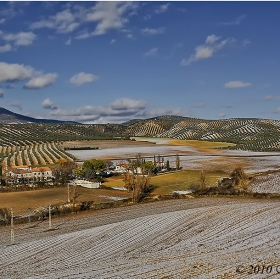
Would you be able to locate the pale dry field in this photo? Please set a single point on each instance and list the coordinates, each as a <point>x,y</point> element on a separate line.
<point>198,238</point>
<point>194,155</point>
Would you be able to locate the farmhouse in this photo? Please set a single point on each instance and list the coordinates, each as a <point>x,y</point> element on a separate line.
<point>120,168</point>
<point>29,174</point>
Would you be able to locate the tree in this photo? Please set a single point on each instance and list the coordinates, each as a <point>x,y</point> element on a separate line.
<point>167,165</point>
<point>98,164</point>
<point>79,171</point>
<point>90,167</point>
<point>63,170</point>
<point>147,167</point>
<point>177,162</point>
<point>202,180</point>
<point>74,195</point>
<point>239,177</point>
<point>138,160</point>
<point>139,185</point>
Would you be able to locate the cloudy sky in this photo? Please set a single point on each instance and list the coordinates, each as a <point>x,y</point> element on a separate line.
<point>101,62</point>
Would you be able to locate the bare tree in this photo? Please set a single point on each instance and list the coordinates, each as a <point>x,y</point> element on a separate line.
<point>177,162</point>
<point>139,185</point>
<point>74,196</point>
<point>239,177</point>
<point>202,180</point>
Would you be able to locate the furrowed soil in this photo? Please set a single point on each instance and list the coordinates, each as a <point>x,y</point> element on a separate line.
<point>186,238</point>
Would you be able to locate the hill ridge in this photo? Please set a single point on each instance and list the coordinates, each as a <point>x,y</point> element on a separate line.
<point>9,117</point>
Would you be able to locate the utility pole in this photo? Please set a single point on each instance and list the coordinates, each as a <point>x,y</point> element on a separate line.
<point>50,218</point>
<point>12,228</point>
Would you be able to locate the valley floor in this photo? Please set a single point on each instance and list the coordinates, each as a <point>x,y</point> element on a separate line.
<point>189,238</point>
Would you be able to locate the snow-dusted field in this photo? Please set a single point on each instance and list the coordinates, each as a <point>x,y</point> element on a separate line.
<point>126,152</point>
<point>199,238</point>
<point>190,158</point>
<point>266,183</point>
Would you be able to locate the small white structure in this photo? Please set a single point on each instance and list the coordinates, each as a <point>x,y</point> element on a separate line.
<point>120,168</point>
<point>86,184</point>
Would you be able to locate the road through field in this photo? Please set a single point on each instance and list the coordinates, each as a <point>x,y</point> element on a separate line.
<point>190,238</point>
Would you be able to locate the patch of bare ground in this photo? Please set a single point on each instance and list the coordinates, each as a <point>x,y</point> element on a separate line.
<point>224,163</point>
<point>21,201</point>
<point>107,144</point>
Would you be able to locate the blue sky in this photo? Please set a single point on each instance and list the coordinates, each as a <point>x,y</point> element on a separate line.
<point>108,62</point>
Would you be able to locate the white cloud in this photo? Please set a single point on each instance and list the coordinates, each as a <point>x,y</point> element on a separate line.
<point>1,93</point>
<point>268,97</point>
<point>62,22</point>
<point>147,17</point>
<point>68,42</point>
<point>234,22</point>
<point>130,36</point>
<point>152,31</point>
<point>199,105</point>
<point>222,115</point>
<point>41,81</point>
<point>14,8</point>
<point>127,103</point>
<point>83,36</point>
<point>110,15</point>
<point>16,105</point>
<point>151,52</point>
<point>271,97</point>
<point>155,112</point>
<point>113,41</point>
<point>105,16</point>
<point>5,48</point>
<point>237,84</point>
<point>212,45</point>
<point>246,42</point>
<point>2,20</point>
<point>83,78</point>
<point>47,104</point>
<point>211,39</point>
<point>14,72</point>
<point>162,8</point>
<point>120,110</point>
<point>21,38</point>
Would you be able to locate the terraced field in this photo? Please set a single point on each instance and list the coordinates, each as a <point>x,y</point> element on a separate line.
<point>32,155</point>
<point>198,238</point>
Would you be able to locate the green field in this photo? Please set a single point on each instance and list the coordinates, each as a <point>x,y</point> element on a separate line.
<point>191,143</point>
<point>182,180</point>
<point>178,181</point>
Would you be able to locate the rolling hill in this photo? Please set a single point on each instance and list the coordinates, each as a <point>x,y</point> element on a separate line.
<point>19,135</point>
<point>248,134</point>
<point>8,117</point>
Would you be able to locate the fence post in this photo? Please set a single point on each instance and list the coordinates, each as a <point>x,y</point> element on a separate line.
<point>12,228</point>
<point>50,217</point>
<point>68,192</point>
<point>29,217</point>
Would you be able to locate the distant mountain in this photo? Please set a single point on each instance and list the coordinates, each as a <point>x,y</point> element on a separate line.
<point>8,117</point>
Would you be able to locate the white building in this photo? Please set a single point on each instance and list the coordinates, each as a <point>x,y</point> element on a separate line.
<point>30,174</point>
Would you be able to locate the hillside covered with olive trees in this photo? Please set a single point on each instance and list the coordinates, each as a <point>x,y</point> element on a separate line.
<point>38,143</point>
